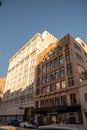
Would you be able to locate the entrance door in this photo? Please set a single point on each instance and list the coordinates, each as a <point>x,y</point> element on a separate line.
<point>53,118</point>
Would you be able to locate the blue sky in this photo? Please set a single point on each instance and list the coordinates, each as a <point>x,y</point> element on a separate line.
<point>20,20</point>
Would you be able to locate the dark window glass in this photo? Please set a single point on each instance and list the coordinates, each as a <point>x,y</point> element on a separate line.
<point>57,101</point>
<point>67,56</point>
<point>43,79</point>
<point>69,69</point>
<point>48,78</point>
<point>51,65</point>
<point>73,99</point>
<point>37,91</point>
<point>55,52</point>
<point>52,87</point>
<point>37,104</point>
<point>85,54</point>
<point>63,100</point>
<point>62,72</point>
<point>56,74</point>
<point>41,103</point>
<point>71,82</point>
<point>52,76</point>
<point>43,68</point>
<point>51,102</point>
<point>77,47</point>
<point>79,57</point>
<point>56,62</point>
<point>38,81</point>
<point>47,103</point>
<point>59,49</point>
<point>61,60</point>
<point>38,71</point>
<point>48,67</point>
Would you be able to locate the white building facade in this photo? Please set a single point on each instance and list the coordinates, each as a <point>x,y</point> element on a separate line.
<point>20,83</point>
<point>83,99</point>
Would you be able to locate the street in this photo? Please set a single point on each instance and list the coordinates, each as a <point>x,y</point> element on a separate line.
<point>80,127</point>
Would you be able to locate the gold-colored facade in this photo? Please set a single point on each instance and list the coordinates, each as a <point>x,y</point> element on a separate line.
<point>59,70</point>
<point>2,86</point>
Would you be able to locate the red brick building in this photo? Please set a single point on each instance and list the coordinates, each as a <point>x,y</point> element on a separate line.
<point>60,69</point>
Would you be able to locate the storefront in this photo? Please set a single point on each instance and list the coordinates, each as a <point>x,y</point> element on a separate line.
<point>60,114</point>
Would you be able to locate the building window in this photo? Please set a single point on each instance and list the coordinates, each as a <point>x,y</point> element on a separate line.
<point>38,81</point>
<point>67,56</point>
<point>86,97</point>
<point>55,52</point>
<point>52,87</point>
<point>51,65</point>
<point>59,49</point>
<point>57,101</point>
<point>46,89</point>
<point>71,82</point>
<point>61,60</point>
<point>48,78</point>
<point>37,91</point>
<point>56,74</point>
<point>81,69</point>
<point>62,72</point>
<point>77,47</point>
<point>38,71</point>
<point>69,69</point>
<point>43,79</point>
<point>63,100</point>
<point>37,104</point>
<point>56,62</point>
<point>47,103</point>
<point>48,67</point>
<point>43,68</point>
<point>79,57</point>
<point>41,104</point>
<point>63,84</point>
<point>85,54</point>
<point>73,99</point>
<point>51,102</point>
<point>57,86</point>
<point>52,76</point>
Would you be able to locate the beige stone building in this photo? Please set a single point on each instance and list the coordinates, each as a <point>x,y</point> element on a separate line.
<point>83,99</point>
<point>20,83</point>
<point>2,85</point>
<point>60,69</point>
